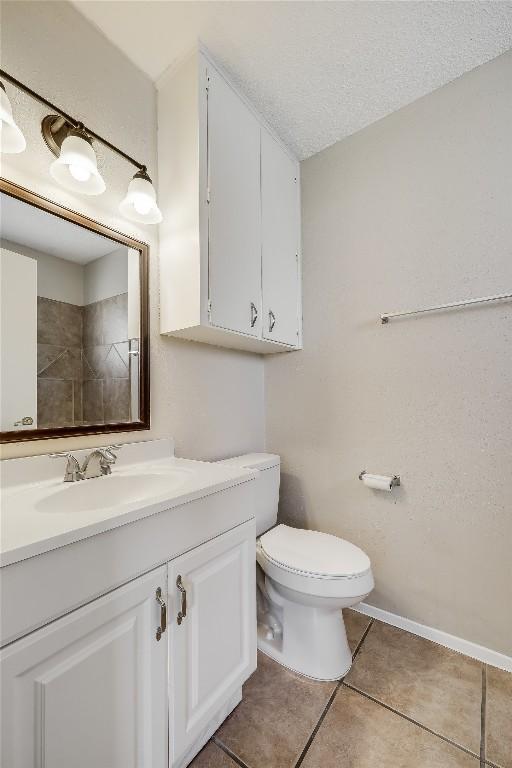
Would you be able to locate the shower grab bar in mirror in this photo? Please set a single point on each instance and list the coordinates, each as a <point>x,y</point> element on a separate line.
<point>454,304</point>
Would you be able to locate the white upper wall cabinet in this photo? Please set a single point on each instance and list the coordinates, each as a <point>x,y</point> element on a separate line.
<point>234,210</point>
<point>230,239</point>
<point>279,242</point>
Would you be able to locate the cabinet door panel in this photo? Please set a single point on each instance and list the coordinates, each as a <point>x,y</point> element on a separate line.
<point>213,650</point>
<point>91,688</point>
<point>18,309</point>
<point>280,238</point>
<point>234,210</point>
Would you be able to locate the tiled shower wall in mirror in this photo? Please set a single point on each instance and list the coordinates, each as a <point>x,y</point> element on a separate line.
<point>83,362</point>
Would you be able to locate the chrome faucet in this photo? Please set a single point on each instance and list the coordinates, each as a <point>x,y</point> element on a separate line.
<point>98,463</point>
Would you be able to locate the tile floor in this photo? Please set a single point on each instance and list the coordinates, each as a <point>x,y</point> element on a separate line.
<point>406,703</point>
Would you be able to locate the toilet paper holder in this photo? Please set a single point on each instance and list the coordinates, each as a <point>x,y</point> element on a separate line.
<point>394,482</point>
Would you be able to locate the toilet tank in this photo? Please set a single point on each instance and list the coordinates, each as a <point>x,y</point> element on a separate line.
<point>267,485</point>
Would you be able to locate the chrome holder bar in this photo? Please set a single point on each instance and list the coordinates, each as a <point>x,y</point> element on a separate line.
<point>395,480</point>
<point>453,305</point>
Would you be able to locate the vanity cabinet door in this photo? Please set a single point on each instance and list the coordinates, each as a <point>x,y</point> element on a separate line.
<point>90,689</point>
<point>213,648</point>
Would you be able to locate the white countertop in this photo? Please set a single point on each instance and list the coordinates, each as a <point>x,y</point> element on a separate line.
<point>47,513</point>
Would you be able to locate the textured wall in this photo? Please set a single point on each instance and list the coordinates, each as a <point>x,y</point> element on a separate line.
<point>210,400</point>
<point>412,211</point>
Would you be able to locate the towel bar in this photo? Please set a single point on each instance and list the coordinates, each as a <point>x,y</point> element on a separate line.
<point>499,297</point>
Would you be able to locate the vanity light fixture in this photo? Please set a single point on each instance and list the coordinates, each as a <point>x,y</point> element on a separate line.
<point>140,202</point>
<point>76,165</point>
<point>12,139</point>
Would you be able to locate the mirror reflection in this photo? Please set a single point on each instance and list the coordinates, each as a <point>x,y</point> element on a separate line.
<point>70,322</point>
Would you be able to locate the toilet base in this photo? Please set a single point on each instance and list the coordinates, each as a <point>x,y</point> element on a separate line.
<point>266,649</point>
<point>307,639</point>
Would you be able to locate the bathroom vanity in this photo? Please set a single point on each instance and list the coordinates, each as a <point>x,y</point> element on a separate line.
<point>128,608</point>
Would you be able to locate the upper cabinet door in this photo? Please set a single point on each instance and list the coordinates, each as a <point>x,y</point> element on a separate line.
<point>280,242</point>
<point>234,210</point>
<point>90,689</point>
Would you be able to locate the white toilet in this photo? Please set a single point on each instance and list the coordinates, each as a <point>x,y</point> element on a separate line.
<point>304,580</point>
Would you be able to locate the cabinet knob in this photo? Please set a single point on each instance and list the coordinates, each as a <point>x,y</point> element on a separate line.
<point>26,421</point>
<point>254,315</point>
<point>163,614</point>
<point>183,612</point>
<point>271,320</point>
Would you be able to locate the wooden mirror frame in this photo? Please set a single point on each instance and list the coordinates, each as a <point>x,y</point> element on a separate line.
<point>14,436</point>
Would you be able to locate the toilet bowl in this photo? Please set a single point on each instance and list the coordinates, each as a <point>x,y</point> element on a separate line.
<point>308,578</point>
<point>304,580</point>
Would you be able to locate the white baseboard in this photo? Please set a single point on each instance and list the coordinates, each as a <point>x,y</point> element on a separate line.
<point>493,658</point>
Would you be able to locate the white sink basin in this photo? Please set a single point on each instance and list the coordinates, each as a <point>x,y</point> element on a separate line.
<point>109,491</point>
<point>39,512</point>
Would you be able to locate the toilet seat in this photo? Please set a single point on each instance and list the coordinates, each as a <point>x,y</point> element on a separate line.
<point>314,563</point>
<point>314,554</point>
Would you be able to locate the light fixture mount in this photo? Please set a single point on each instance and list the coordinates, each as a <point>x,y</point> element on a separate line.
<point>143,174</point>
<point>55,128</point>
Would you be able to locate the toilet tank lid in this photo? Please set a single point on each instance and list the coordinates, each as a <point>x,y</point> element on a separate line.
<point>254,461</point>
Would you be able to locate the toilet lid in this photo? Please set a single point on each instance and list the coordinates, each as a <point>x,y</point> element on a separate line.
<point>319,554</point>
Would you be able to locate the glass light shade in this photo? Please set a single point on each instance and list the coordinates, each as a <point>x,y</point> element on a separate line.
<point>12,139</point>
<point>76,167</point>
<point>140,202</point>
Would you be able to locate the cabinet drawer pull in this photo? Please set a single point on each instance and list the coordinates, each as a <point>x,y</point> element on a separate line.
<point>254,315</point>
<point>163,614</point>
<point>182,614</point>
<point>271,320</point>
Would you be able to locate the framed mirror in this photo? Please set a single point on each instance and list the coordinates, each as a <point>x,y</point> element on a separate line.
<point>74,326</point>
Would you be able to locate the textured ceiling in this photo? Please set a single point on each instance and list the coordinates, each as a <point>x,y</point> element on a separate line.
<point>318,71</point>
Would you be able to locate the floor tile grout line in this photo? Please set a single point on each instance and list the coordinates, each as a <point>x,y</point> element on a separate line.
<point>483,708</point>
<point>411,720</point>
<point>361,641</point>
<point>229,752</point>
<point>318,724</point>
<point>329,702</point>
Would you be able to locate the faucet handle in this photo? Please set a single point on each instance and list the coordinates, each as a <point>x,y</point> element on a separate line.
<point>111,451</point>
<point>73,471</point>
